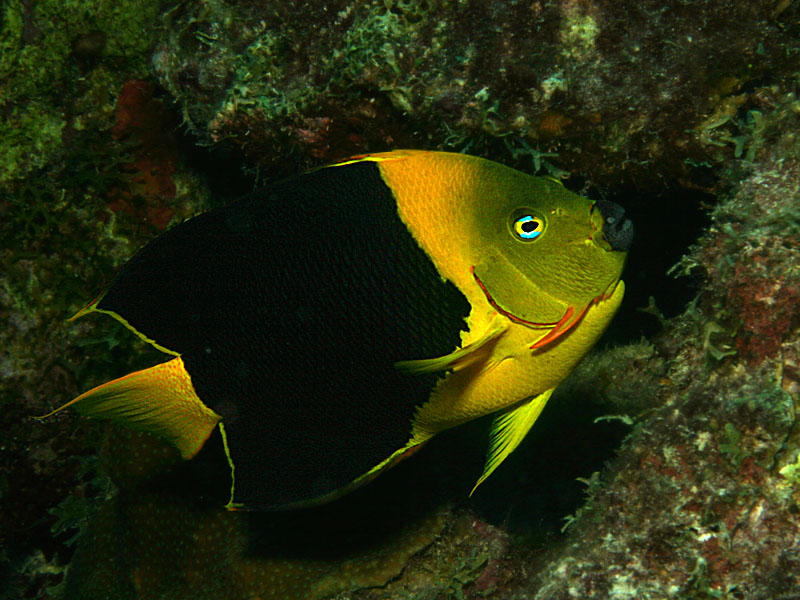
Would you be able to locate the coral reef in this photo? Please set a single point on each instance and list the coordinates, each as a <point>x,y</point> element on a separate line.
<point>146,543</point>
<point>618,91</point>
<point>700,498</point>
<point>65,167</point>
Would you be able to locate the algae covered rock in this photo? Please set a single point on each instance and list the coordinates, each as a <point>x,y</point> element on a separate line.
<point>702,498</point>
<point>616,90</point>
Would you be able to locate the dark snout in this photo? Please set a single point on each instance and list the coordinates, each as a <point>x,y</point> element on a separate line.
<point>617,229</point>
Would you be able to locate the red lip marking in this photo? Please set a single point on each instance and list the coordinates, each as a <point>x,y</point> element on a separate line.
<point>559,328</point>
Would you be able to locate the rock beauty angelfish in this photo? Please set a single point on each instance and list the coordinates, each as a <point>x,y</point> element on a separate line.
<point>331,324</point>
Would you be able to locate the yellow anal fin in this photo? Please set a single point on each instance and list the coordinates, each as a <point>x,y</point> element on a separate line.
<point>508,430</point>
<point>459,358</point>
<point>403,453</point>
<point>374,157</point>
<point>160,400</point>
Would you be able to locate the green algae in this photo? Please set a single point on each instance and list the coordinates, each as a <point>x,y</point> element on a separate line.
<point>62,66</point>
<point>616,90</point>
<point>41,79</point>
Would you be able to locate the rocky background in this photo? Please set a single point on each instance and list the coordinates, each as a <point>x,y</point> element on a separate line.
<point>667,467</point>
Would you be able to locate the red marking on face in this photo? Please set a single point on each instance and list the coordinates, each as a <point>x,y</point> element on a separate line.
<point>504,312</point>
<point>559,328</point>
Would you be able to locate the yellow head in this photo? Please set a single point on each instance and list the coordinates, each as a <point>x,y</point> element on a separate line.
<point>548,254</point>
<point>539,253</point>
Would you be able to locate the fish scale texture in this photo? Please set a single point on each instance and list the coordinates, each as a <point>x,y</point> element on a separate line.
<point>290,309</point>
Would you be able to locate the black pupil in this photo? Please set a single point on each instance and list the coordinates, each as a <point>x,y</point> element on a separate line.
<point>529,226</point>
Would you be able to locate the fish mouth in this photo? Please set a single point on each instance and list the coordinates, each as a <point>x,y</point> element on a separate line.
<point>557,328</point>
<point>616,231</point>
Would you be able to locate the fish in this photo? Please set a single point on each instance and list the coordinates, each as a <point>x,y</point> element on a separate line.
<point>331,324</point>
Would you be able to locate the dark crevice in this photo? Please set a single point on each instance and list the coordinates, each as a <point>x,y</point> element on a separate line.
<point>667,222</point>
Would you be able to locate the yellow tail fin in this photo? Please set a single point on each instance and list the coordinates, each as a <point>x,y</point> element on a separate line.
<point>160,400</point>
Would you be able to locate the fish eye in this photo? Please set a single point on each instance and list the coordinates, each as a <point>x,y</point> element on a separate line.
<point>527,227</point>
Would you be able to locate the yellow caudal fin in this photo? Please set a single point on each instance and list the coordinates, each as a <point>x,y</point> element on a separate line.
<point>459,358</point>
<point>508,430</point>
<point>160,400</point>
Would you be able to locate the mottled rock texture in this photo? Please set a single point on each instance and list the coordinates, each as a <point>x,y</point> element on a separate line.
<point>619,91</point>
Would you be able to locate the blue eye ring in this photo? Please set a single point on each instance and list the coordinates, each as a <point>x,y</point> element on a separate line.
<point>527,227</point>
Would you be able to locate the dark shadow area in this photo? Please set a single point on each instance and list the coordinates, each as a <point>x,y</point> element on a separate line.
<point>166,536</point>
<point>537,487</point>
<point>666,222</point>
<point>219,167</point>
<point>350,525</point>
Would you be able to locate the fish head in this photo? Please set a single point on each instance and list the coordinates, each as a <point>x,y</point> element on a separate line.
<point>547,254</point>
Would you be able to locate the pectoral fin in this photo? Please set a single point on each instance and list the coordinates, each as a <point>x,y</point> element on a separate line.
<point>459,358</point>
<point>508,430</point>
<point>160,400</point>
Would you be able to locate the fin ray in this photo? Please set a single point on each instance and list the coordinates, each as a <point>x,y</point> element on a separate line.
<point>84,311</point>
<point>406,451</point>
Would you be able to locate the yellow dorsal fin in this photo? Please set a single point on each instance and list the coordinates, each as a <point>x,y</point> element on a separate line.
<point>508,430</point>
<point>375,157</point>
<point>160,400</point>
<point>459,358</point>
